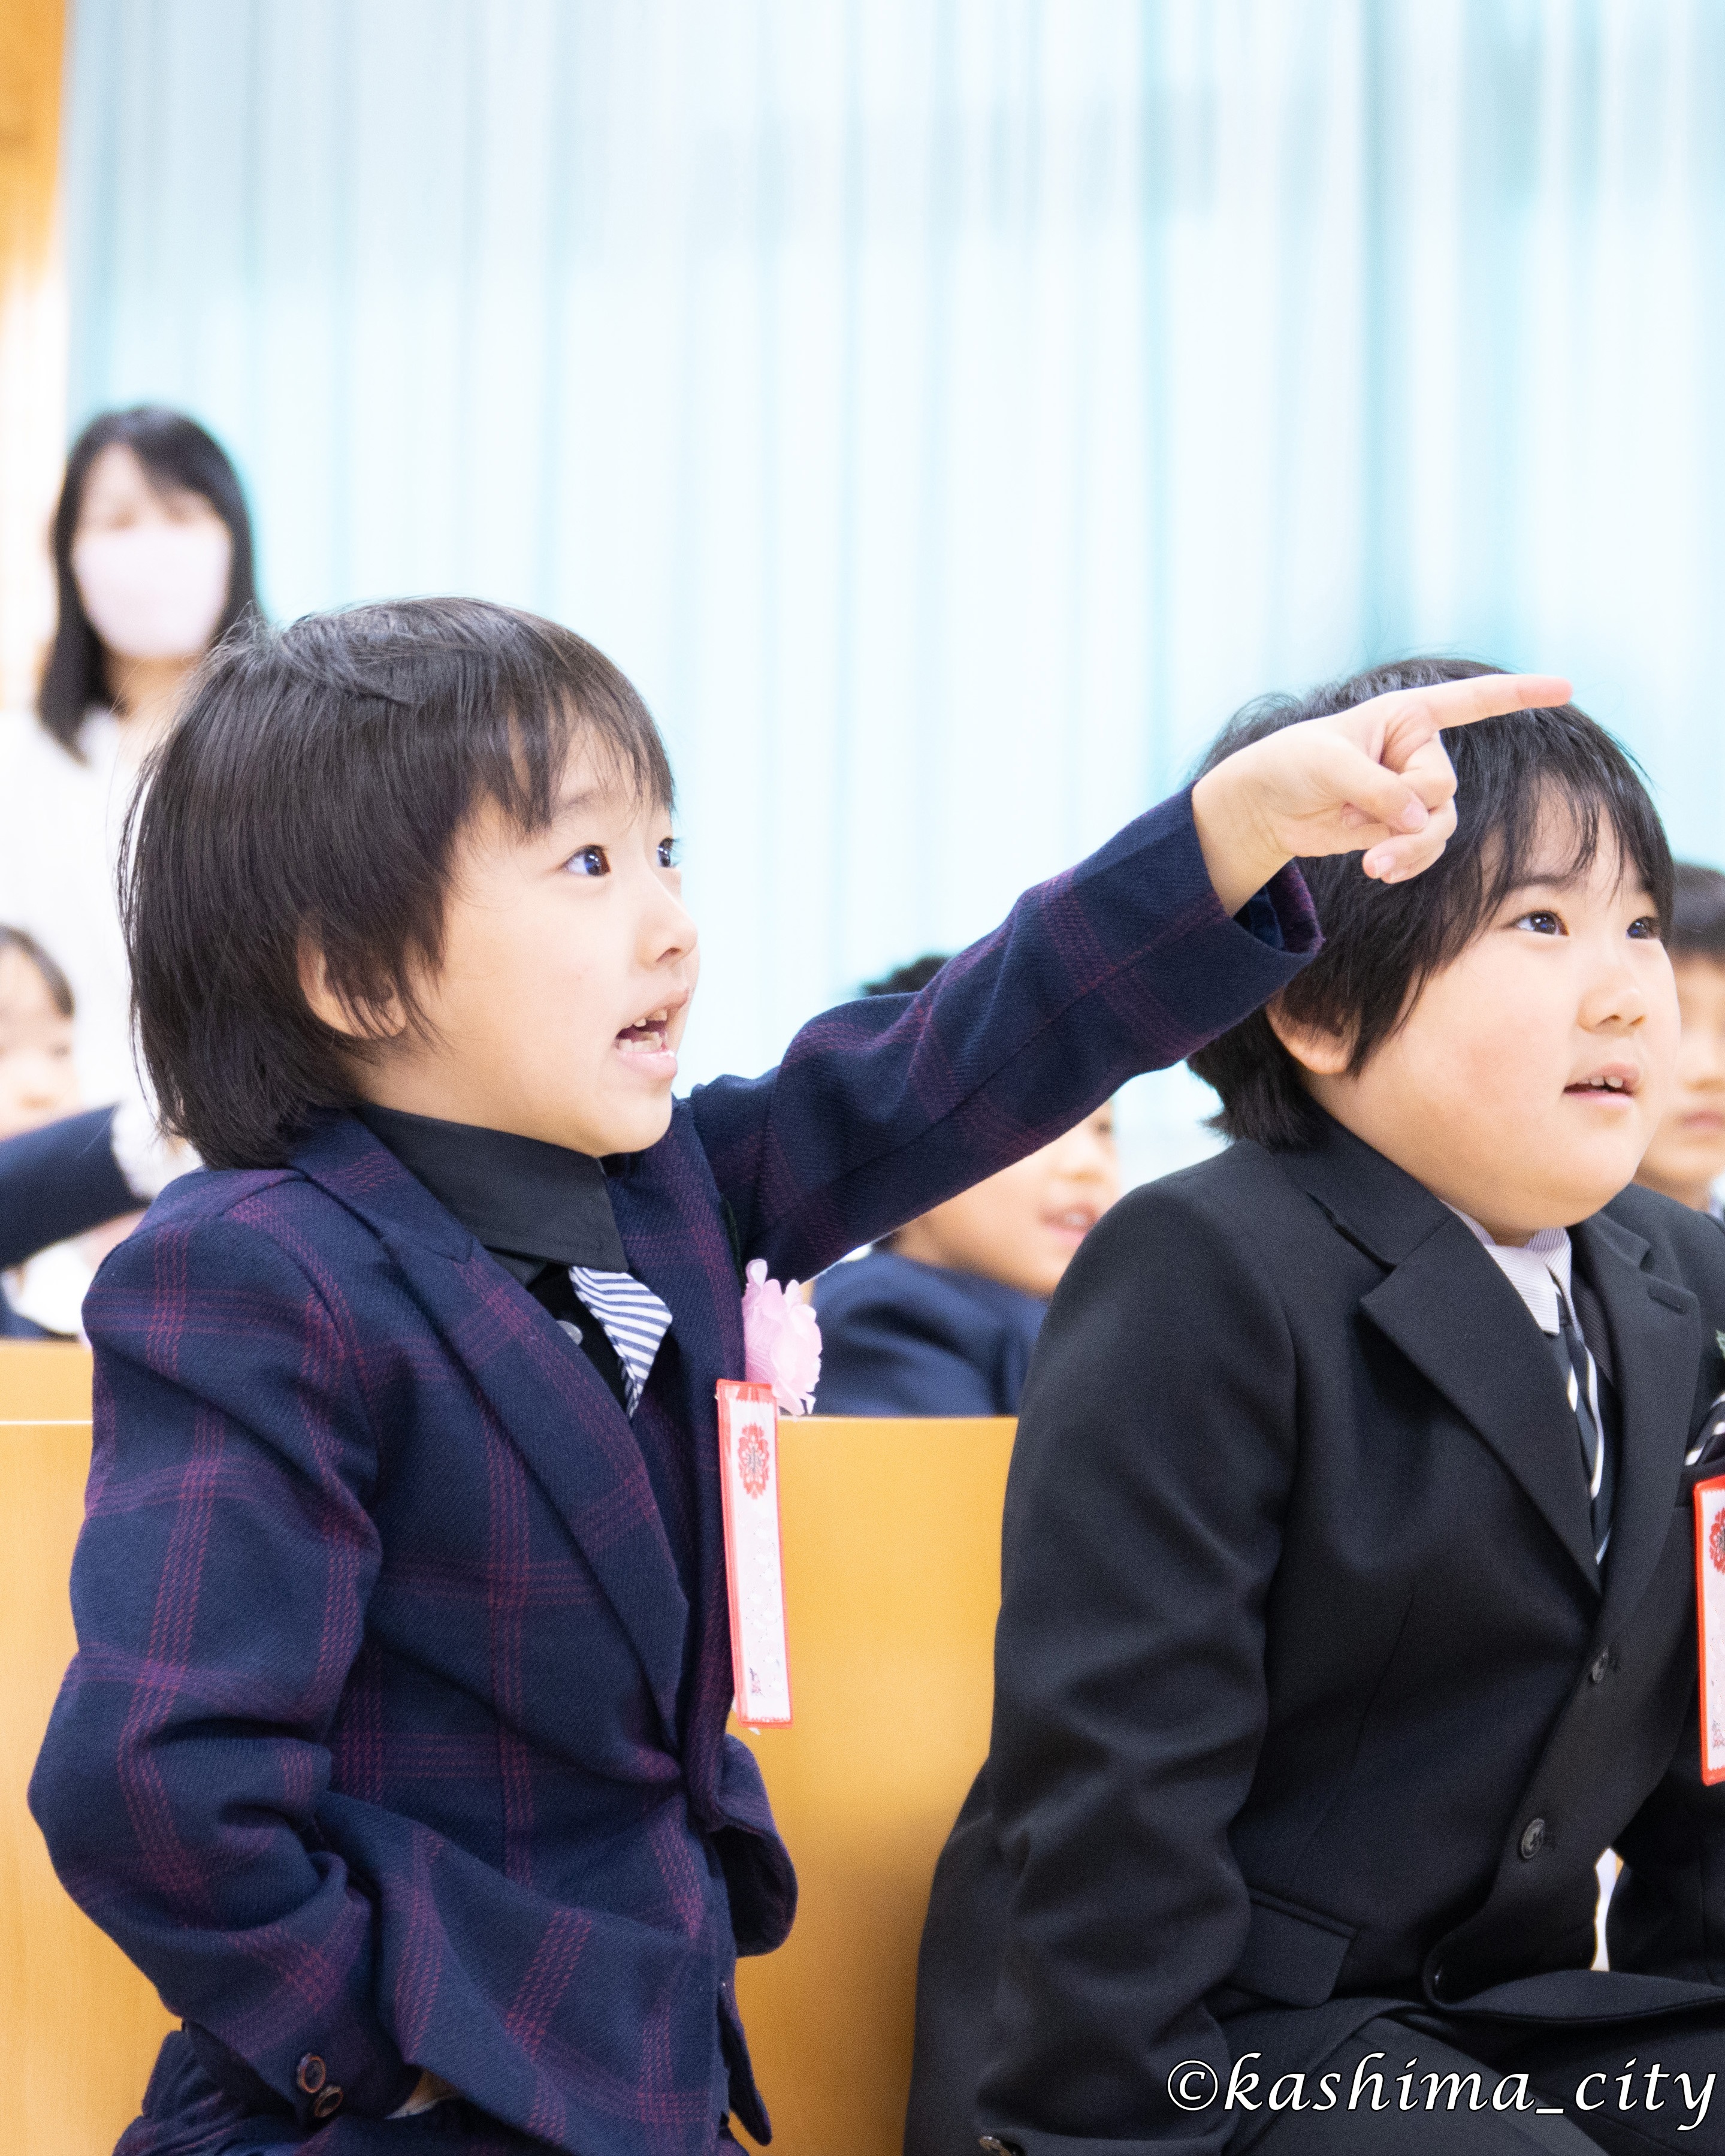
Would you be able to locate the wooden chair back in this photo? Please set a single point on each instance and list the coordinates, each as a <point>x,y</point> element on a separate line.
<point>80,2027</point>
<point>892,1585</point>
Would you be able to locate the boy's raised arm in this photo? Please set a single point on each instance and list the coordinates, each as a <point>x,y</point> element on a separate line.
<point>884,1107</point>
<point>1178,927</point>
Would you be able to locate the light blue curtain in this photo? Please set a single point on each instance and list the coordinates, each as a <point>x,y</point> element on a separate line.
<point>946,410</point>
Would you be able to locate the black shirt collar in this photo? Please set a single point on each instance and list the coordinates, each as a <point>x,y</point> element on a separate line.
<point>526,1201</point>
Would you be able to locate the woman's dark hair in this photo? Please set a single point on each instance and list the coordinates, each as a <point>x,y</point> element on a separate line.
<point>1382,943</point>
<point>313,792</point>
<point>1698,914</point>
<point>59,988</point>
<point>176,452</point>
<point>905,980</point>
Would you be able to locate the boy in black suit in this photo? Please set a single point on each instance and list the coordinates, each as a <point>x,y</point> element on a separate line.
<point>1349,1566</point>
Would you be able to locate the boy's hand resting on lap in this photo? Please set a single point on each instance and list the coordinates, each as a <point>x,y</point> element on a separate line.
<point>1375,779</point>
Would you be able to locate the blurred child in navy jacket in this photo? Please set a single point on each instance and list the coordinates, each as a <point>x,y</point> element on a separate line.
<point>941,1318</point>
<point>394,1751</point>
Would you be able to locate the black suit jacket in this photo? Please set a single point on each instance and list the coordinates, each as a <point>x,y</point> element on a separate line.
<point>1309,1700</point>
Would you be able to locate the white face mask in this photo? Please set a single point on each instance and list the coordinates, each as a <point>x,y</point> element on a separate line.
<point>155,591</point>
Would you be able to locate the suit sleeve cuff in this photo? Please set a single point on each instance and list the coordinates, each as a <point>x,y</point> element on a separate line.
<point>1280,916</point>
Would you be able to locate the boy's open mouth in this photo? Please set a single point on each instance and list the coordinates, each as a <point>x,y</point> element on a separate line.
<point>1618,1080</point>
<point>647,1036</point>
<point>650,1034</point>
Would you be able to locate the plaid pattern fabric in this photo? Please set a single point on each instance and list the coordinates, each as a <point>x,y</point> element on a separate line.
<point>394,1734</point>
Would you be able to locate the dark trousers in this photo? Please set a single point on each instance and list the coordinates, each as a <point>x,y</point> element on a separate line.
<point>1450,2090</point>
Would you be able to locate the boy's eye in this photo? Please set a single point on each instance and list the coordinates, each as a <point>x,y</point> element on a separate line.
<point>589,861</point>
<point>1646,929</point>
<point>670,853</point>
<point>1544,923</point>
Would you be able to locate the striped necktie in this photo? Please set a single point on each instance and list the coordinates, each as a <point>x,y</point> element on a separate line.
<point>1538,1270</point>
<point>1581,1381</point>
<point>635,1319</point>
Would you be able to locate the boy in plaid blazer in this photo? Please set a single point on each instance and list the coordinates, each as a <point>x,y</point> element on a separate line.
<point>394,1750</point>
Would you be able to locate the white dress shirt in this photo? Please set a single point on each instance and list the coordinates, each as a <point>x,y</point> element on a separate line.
<point>1538,1270</point>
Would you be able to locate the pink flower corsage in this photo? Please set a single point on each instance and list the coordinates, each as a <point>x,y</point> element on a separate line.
<point>781,1338</point>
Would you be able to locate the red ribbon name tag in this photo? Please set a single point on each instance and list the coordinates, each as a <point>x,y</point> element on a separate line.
<point>748,1480</point>
<point>1710,1622</point>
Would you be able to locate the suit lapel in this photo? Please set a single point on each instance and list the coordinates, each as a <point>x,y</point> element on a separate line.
<point>1655,1346</point>
<point>1450,1311</point>
<point>668,1211</point>
<point>1498,1374</point>
<point>547,1399</point>
<point>1447,1307</point>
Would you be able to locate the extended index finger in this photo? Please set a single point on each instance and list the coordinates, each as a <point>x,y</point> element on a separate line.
<point>1490,695</point>
<point>1414,717</point>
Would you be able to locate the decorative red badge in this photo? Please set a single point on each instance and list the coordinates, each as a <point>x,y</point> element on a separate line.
<point>748,1481</point>
<point>1710,1622</point>
<point>754,1462</point>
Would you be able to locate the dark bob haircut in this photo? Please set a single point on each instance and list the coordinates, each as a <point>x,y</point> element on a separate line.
<point>1698,914</point>
<point>1383,942</point>
<point>313,792</point>
<point>175,452</point>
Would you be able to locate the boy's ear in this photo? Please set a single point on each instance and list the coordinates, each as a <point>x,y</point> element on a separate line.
<point>328,1003</point>
<point>1316,1048</point>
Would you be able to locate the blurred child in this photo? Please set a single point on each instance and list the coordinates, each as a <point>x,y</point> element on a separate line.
<point>1687,1155</point>
<point>394,1752</point>
<point>940,1319</point>
<point>39,1084</point>
<point>70,1183</point>
<point>39,1078</point>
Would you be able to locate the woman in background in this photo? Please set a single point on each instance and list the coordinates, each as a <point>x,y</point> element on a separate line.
<point>940,1319</point>
<point>152,555</point>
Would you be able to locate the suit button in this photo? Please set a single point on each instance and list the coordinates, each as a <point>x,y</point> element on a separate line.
<point>328,2104</point>
<point>987,2142</point>
<point>1532,1838</point>
<point>311,2073</point>
<point>1597,1673</point>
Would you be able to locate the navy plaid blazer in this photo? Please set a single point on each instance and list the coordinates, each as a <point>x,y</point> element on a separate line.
<point>396,1735</point>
